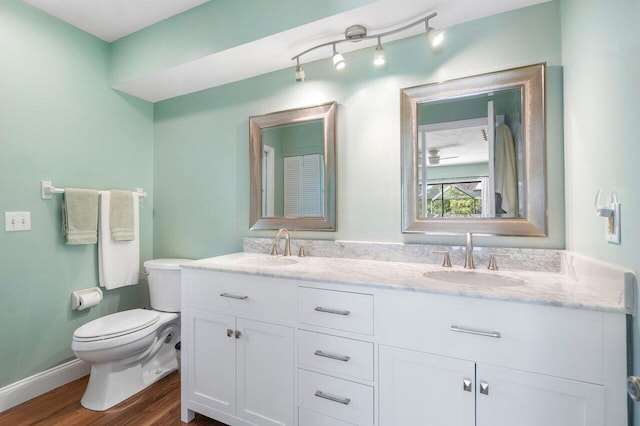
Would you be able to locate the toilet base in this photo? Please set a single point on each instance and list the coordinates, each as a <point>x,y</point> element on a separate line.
<point>112,382</point>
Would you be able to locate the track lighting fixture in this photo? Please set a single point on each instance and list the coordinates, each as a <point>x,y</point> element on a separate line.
<point>359,32</point>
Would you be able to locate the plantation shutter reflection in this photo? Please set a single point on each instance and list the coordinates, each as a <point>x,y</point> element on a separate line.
<point>304,186</point>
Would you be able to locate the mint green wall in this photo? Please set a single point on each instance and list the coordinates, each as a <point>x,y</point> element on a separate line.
<point>600,45</point>
<point>59,121</point>
<point>210,28</point>
<point>505,102</point>
<point>201,163</point>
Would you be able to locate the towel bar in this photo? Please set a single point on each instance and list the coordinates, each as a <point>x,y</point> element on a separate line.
<point>47,190</point>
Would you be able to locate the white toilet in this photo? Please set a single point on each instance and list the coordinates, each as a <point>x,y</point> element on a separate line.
<point>130,350</point>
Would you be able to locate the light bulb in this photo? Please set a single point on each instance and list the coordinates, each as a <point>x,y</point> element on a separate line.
<point>338,60</point>
<point>435,37</point>
<point>379,57</point>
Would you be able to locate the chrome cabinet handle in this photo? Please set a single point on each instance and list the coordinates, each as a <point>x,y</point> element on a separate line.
<point>332,311</point>
<point>484,388</point>
<point>466,385</point>
<point>494,334</point>
<point>333,398</point>
<point>234,296</point>
<point>238,334</point>
<point>332,356</point>
<point>229,332</point>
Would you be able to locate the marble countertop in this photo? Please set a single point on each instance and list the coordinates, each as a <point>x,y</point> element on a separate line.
<point>607,292</point>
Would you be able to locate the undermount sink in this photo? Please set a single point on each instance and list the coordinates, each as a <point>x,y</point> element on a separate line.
<point>474,279</point>
<point>266,261</point>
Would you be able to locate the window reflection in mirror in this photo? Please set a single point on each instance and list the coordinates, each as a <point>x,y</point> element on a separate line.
<point>471,156</point>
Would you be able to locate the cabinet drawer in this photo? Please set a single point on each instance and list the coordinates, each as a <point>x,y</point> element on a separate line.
<point>311,418</point>
<point>238,294</point>
<point>550,340</point>
<point>345,357</point>
<point>339,310</point>
<point>344,400</point>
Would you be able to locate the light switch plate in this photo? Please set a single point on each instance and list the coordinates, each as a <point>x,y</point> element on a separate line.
<point>17,221</point>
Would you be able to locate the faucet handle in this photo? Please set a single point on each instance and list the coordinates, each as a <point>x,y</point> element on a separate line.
<point>493,264</point>
<point>446,261</point>
<point>274,249</point>
<point>301,251</point>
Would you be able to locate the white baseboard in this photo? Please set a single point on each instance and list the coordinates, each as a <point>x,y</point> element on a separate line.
<point>26,389</point>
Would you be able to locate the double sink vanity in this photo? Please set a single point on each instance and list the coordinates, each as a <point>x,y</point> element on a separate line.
<point>374,334</point>
<point>275,340</point>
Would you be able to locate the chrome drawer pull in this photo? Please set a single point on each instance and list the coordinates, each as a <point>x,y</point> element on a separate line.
<point>333,398</point>
<point>234,296</point>
<point>494,334</point>
<point>332,356</point>
<point>484,388</point>
<point>332,311</point>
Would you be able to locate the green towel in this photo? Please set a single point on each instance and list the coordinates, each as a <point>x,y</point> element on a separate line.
<point>121,216</point>
<point>80,216</point>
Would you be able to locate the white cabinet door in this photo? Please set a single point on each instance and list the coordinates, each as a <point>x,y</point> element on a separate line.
<point>266,368</point>
<point>417,388</point>
<point>520,398</point>
<point>211,372</point>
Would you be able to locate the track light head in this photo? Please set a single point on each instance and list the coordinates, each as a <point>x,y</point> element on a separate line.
<point>379,57</point>
<point>338,59</point>
<point>435,37</point>
<point>300,76</point>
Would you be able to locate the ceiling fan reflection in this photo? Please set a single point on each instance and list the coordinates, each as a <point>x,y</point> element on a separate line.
<point>434,157</point>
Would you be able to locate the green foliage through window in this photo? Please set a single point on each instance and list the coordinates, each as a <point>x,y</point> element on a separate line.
<point>453,199</point>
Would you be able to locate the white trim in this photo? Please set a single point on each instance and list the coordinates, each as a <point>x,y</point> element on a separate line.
<point>43,382</point>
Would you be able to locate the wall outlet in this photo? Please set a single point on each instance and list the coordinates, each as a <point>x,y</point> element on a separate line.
<point>612,225</point>
<point>17,221</point>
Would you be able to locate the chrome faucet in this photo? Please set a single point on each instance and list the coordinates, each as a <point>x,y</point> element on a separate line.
<point>287,243</point>
<point>468,256</point>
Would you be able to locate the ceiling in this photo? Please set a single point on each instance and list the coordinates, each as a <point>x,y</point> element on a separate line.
<point>113,19</point>
<point>457,146</point>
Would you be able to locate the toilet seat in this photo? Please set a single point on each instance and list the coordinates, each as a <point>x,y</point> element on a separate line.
<point>116,325</point>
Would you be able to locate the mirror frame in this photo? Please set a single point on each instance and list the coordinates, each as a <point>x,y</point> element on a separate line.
<point>532,81</point>
<point>326,112</point>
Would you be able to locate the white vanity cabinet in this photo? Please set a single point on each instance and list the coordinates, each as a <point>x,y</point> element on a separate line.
<point>422,388</point>
<point>260,350</point>
<point>460,361</point>
<point>238,349</point>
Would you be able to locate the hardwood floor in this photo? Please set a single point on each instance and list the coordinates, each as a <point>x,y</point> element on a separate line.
<point>159,404</point>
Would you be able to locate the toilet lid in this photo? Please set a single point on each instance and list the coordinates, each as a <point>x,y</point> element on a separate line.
<point>117,324</point>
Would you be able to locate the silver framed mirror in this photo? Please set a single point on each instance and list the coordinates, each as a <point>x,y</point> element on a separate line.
<point>474,155</point>
<point>293,170</point>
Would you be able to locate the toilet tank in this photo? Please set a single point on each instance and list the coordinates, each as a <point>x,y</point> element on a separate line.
<point>164,283</point>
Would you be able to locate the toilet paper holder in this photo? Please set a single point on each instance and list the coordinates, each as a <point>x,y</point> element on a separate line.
<point>83,299</point>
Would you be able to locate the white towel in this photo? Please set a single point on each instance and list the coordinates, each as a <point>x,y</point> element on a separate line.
<point>506,179</point>
<point>118,261</point>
